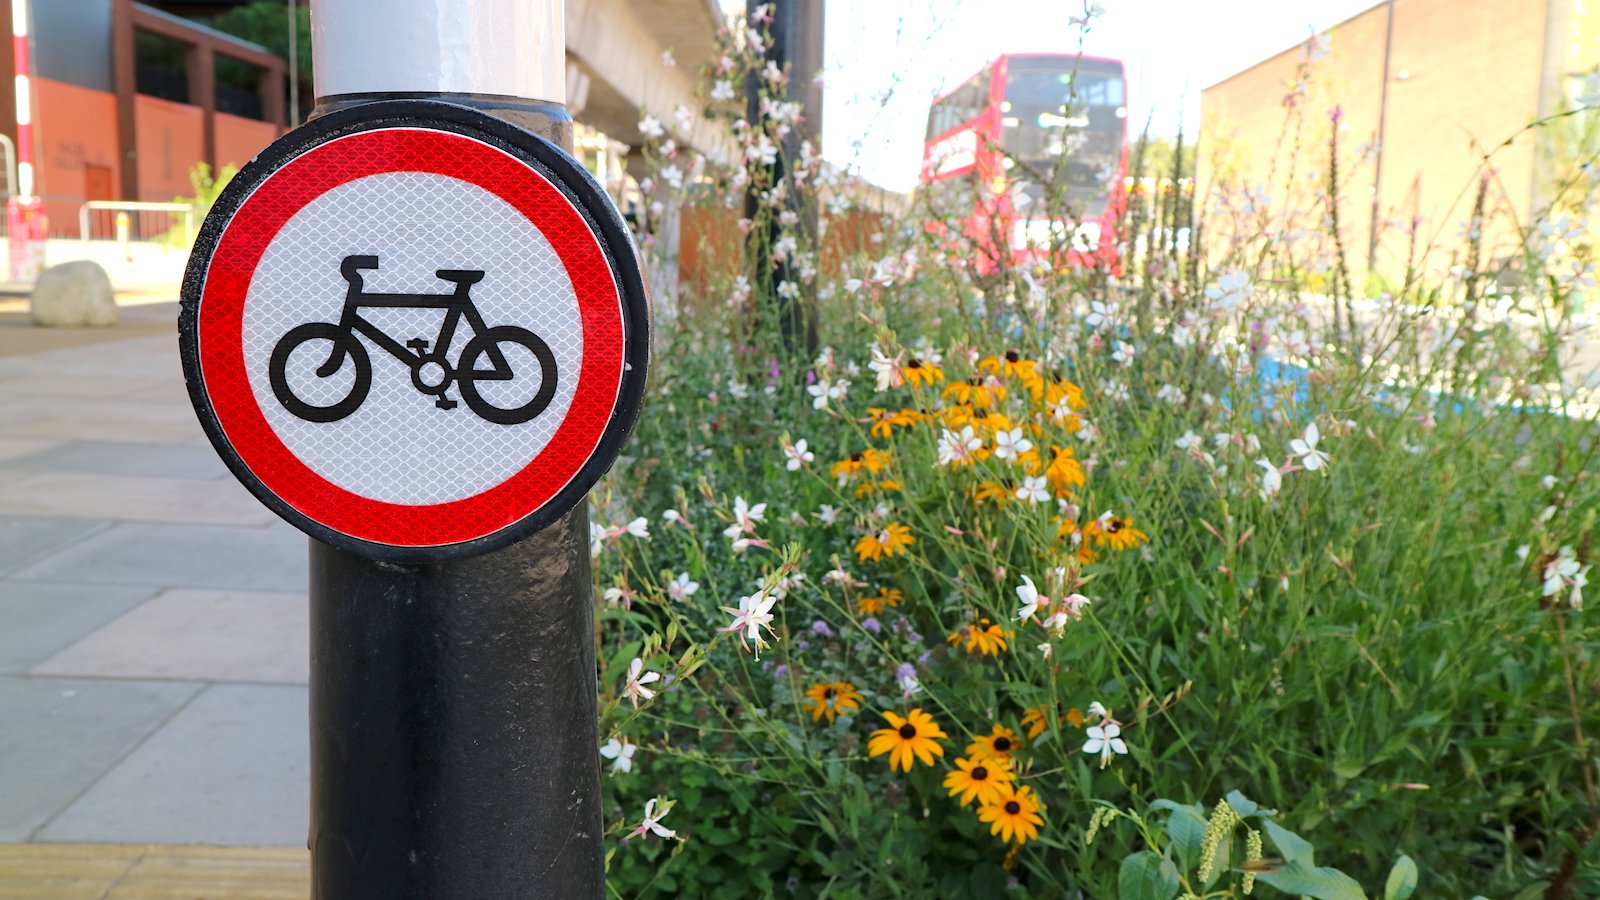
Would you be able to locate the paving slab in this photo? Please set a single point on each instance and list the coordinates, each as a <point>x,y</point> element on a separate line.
<point>11,448</point>
<point>123,458</point>
<point>153,872</point>
<point>40,620</point>
<point>216,557</point>
<point>61,735</point>
<point>130,498</point>
<point>232,768</point>
<point>198,635</point>
<point>24,539</point>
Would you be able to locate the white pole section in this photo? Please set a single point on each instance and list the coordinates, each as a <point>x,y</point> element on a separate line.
<point>514,48</point>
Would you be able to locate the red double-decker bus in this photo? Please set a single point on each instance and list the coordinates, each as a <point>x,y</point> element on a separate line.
<point>1028,158</point>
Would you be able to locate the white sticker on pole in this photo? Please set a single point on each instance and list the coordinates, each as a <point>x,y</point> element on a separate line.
<point>415,331</point>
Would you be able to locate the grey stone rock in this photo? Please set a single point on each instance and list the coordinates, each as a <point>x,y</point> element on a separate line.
<point>74,295</point>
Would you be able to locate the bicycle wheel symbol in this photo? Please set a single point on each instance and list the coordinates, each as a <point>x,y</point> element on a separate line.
<point>335,374</point>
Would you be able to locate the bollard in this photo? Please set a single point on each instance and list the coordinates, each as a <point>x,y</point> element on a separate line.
<point>453,702</point>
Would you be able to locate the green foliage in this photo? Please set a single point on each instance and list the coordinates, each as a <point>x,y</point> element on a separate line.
<point>207,188</point>
<point>266,23</point>
<point>1380,647</point>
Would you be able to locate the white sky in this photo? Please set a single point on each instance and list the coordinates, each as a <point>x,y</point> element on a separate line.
<point>911,50</point>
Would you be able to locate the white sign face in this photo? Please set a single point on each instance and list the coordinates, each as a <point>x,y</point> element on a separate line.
<point>416,340</point>
<point>421,222</point>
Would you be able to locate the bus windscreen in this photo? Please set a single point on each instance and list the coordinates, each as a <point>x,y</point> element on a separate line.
<point>1062,129</point>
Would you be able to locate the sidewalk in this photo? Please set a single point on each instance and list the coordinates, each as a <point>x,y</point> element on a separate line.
<point>153,626</point>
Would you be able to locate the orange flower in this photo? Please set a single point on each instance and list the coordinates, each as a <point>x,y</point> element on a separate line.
<point>1000,742</point>
<point>1014,815</point>
<point>918,372</point>
<point>831,698</point>
<point>979,778</point>
<point>894,538</point>
<point>916,735</point>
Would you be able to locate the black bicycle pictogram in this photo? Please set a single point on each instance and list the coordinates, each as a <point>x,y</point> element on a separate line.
<point>431,371</point>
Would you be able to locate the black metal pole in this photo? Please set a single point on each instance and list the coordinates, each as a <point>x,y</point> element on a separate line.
<point>453,705</point>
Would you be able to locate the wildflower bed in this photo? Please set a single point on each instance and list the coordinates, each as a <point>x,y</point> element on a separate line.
<point>1041,584</point>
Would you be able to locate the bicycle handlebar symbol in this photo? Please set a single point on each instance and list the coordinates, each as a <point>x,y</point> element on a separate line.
<point>431,371</point>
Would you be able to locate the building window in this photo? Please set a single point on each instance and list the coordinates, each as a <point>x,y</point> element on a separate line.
<point>159,67</point>
<point>239,88</point>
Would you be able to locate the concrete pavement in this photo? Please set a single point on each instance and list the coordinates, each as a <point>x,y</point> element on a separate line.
<point>153,639</point>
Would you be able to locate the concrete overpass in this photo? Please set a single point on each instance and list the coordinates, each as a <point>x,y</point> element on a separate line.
<point>615,71</point>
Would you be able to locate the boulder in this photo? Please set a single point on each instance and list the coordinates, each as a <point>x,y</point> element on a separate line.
<point>74,294</point>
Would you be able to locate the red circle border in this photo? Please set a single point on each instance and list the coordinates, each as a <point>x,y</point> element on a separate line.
<point>287,190</point>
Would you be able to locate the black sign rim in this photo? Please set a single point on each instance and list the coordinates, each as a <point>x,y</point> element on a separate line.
<point>555,164</point>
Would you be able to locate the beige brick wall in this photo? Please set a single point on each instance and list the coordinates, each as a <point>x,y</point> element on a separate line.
<point>1465,75</point>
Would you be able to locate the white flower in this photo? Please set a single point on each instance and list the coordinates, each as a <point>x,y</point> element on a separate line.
<point>827,515</point>
<point>1099,315</point>
<point>650,126</point>
<point>639,528</point>
<point>1580,579</point>
<point>1074,604</point>
<point>597,538</point>
<point>1306,448</point>
<point>1170,394</point>
<point>1189,440</point>
<point>797,455</point>
<point>620,751</point>
<point>745,518</point>
<point>1097,709</point>
<point>753,614</point>
<point>673,517</point>
<point>637,679</point>
<point>1031,599</point>
<point>722,90</point>
<point>1103,740</point>
<point>1045,649</point>
<point>667,60</point>
<point>681,588</point>
<point>1560,571</point>
<point>887,369</point>
<point>1034,489</point>
<point>825,390</point>
<point>958,448</point>
<point>1271,478</point>
<point>652,820</point>
<point>1229,290</point>
<point>1122,354</point>
<point>1011,444</point>
<point>851,285</point>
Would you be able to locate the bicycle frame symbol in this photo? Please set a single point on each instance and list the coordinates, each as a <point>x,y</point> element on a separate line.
<point>431,371</point>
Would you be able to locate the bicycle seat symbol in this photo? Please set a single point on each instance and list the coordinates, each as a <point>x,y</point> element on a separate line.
<point>431,371</point>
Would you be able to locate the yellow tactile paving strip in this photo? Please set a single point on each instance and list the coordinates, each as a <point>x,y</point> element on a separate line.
<point>152,872</point>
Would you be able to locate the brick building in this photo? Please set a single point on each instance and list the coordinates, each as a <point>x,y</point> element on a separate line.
<point>1424,89</point>
<point>127,99</point>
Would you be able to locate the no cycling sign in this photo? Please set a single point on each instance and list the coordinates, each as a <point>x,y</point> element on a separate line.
<point>415,331</point>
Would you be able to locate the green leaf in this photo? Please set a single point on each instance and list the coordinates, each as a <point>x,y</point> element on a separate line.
<point>1303,879</point>
<point>1241,804</point>
<point>1187,830</point>
<point>1146,876</point>
<point>1402,879</point>
<point>1293,847</point>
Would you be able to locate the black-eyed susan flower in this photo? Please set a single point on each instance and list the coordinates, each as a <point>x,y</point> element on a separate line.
<point>993,491</point>
<point>916,372</point>
<point>1035,721</point>
<point>891,539</point>
<point>1014,816</point>
<point>976,392</point>
<point>882,421</point>
<point>914,736</point>
<point>830,698</point>
<point>979,778</point>
<point>1064,472</point>
<point>1000,743</point>
<point>870,461</point>
<point>876,603</point>
<point>1011,365</point>
<point>984,637</point>
<point>1115,532</point>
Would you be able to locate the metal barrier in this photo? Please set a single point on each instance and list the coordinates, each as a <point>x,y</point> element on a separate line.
<point>135,220</point>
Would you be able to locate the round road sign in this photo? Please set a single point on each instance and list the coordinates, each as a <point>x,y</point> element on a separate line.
<point>415,331</point>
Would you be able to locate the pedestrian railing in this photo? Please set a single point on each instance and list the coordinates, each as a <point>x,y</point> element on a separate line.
<point>133,220</point>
